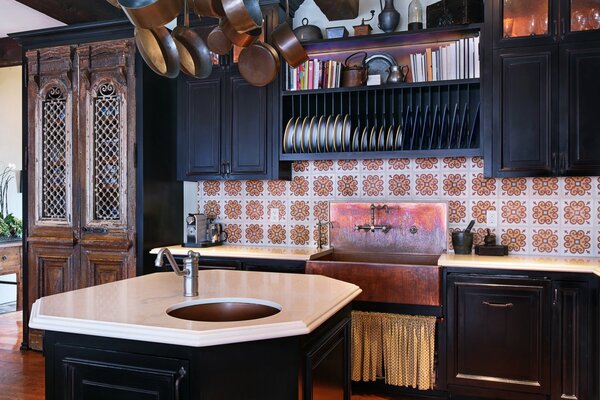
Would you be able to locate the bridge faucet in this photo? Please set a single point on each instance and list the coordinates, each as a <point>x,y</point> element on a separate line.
<point>372,227</point>
<point>189,272</point>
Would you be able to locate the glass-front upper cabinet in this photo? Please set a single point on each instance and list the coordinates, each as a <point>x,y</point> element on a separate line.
<point>545,21</point>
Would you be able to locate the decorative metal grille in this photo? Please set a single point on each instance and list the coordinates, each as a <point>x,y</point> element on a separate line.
<point>55,148</point>
<point>107,154</point>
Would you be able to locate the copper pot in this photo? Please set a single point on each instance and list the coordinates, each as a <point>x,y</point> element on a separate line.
<point>209,8</point>
<point>259,64</point>
<point>287,43</point>
<point>158,49</point>
<point>244,39</point>
<point>194,56</point>
<point>218,42</point>
<point>244,15</point>
<point>151,13</point>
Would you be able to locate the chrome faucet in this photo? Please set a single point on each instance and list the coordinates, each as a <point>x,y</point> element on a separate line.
<point>372,227</point>
<point>189,272</point>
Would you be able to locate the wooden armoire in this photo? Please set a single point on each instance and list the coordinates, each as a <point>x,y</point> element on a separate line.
<point>100,151</point>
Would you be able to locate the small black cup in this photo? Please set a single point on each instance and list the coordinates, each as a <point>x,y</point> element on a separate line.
<point>462,242</point>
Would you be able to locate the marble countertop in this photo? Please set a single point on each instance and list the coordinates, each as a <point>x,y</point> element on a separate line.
<point>262,252</point>
<point>528,263</point>
<point>136,308</point>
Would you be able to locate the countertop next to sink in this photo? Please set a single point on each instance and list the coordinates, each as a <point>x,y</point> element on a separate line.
<point>136,308</point>
<point>262,252</point>
<point>528,263</point>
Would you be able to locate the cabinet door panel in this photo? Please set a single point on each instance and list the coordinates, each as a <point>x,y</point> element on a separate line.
<point>580,87</point>
<point>99,266</point>
<point>498,334</point>
<point>571,341</point>
<point>52,270</point>
<point>248,129</point>
<point>199,138</point>
<point>524,128</point>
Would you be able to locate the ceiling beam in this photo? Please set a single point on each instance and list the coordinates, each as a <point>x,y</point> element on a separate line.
<point>75,11</point>
<point>10,53</point>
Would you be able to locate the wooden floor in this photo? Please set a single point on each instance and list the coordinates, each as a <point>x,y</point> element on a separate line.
<point>22,372</point>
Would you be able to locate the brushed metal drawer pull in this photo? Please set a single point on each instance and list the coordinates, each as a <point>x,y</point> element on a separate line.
<point>180,375</point>
<point>498,305</point>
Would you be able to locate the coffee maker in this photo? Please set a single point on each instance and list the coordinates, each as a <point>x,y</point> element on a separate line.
<point>203,232</point>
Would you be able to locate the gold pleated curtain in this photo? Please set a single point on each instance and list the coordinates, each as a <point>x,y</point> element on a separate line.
<point>399,348</point>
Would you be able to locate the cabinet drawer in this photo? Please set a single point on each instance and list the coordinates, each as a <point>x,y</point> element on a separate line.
<point>499,333</point>
<point>10,257</point>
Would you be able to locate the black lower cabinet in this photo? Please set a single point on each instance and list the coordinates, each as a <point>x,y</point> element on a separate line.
<point>307,367</point>
<point>512,336</point>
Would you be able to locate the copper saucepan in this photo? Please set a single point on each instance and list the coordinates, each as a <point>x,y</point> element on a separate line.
<point>218,42</point>
<point>259,64</point>
<point>151,13</point>
<point>194,56</point>
<point>244,15</point>
<point>244,39</point>
<point>287,43</point>
<point>208,8</point>
<point>158,49</point>
<point>114,3</point>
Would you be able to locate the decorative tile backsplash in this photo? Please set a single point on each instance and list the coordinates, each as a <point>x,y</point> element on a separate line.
<point>552,216</point>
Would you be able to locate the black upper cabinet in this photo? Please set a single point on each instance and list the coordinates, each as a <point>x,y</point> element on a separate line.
<point>544,88</point>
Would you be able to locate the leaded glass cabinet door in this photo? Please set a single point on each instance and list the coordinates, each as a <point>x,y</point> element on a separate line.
<point>107,125</point>
<point>518,22</point>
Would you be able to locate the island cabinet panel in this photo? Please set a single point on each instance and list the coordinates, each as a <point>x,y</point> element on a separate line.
<point>499,333</point>
<point>96,374</point>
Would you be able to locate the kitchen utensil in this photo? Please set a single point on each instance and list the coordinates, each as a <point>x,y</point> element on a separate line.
<point>364,139</point>
<point>474,129</point>
<point>306,135</point>
<point>194,56</point>
<point>196,225</point>
<point>313,135</point>
<point>356,139</point>
<point>397,73</point>
<point>159,51</point>
<point>259,64</point>
<point>284,40</point>
<point>415,15</point>
<point>354,75</point>
<point>373,139</point>
<point>462,241</point>
<point>490,238</point>
<point>307,32</point>
<point>328,133</point>
<point>336,136</point>
<point>151,13</point>
<point>389,18</point>
<point>464,127</point>
<point>381,138</point>
<point>287,144</point>
<point>244,15</point>
<point>347,124</point>
<point>364,28</point>
<point>243,39</point>
<point>322,134</point>
<point>389,141</point>
<point>209,8</point>
<point>298,136</point>
<point>218,42</point>
<point>379,64</point>
<point>398,138</point>
<point>216,233</point>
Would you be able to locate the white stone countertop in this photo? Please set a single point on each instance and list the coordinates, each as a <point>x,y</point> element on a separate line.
<point>264,252</point>
<point>528,263</point>
<point>136,308</point>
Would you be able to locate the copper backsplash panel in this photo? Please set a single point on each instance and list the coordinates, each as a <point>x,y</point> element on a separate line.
<point>429,219</point>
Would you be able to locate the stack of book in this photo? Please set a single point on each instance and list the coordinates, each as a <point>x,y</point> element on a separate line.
<point>458,60</point>
<point>314,74</point>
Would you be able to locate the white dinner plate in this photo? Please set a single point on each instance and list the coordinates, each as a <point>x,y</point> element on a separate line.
<point>287,143</point>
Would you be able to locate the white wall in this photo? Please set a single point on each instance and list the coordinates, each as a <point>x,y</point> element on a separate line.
<point>10,130</point>
<point>311,11</point>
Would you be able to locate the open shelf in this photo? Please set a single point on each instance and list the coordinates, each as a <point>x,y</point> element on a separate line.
<point>367,155</point>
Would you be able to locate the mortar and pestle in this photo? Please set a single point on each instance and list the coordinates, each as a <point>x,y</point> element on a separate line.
<point>462,241</point>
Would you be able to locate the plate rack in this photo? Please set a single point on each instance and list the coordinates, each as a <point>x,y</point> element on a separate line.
<point>429,119</point>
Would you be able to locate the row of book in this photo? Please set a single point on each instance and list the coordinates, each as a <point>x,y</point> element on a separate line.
<point>458,60</point>
<point>314,74</point>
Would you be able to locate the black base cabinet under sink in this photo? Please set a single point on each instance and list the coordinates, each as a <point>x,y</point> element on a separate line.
<point>309,367</point>
<point>521,336</point>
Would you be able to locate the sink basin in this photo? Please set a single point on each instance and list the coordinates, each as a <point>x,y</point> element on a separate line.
<point>224,310</point>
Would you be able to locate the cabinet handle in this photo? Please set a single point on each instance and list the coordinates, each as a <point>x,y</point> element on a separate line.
<point>563,27</point>
<point>555,29</point>
<point>100,231</point>
<point>180,375</point>
<point>227,169</point>
<point>222,169</point>
<point>555,297</point>
<point>4,258</point>
<point>498,305</point>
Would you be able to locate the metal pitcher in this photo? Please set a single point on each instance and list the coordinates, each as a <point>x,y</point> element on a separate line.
<point>397,73</point>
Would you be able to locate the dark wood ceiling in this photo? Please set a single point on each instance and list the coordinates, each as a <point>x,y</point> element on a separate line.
<point>75,11</point>
<point>67,11</point>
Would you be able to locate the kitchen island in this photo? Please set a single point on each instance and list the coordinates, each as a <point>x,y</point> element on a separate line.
<point>117,340</point>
